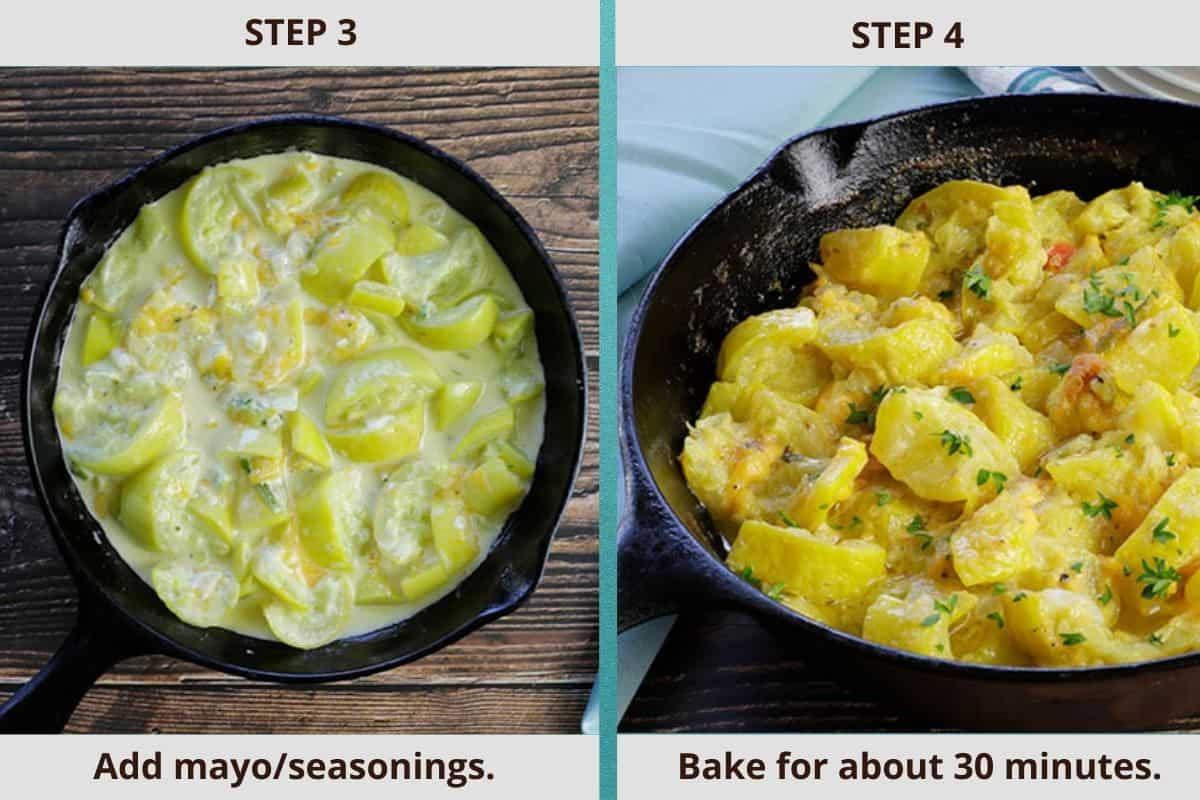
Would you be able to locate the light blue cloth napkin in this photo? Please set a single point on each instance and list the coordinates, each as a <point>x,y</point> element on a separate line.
<point>687,136</point>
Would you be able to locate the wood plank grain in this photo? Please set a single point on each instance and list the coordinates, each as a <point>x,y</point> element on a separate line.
<point>533,133</point>
<point>249,707</point>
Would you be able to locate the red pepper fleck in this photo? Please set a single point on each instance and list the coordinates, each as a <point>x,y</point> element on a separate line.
<point>1058,255</point>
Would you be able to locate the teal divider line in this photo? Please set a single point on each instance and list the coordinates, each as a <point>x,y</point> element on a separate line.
<point>609,464</point>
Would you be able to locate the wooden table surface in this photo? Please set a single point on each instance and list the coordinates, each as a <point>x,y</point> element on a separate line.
<point>534,134</point>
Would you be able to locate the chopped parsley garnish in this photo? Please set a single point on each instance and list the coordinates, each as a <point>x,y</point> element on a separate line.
<point>916,526</point>
<point>954,443</point>
<point>1060,368</point>
<point>998,588</point>
<point>984,475</point>
<point>1170,459</point>
<point>948,607</point>
<point>1173,331</point>
<point>978,282</point>
<point>747,574</point>
<point>940,609</point>
<point>1104,508</point>
<point>883,497</point>
<point>787,520</point>
<point>1097,301</point>
<point>264,491</point>
<point>1077,567</point>
<point>998,618</point>
<point>1161,205</point>
<point>1155,640</point>
<point>1158,578</point>
<point>1019,596</point>
<point>1016,385</point>
<point>1160,533</point>
<point>859,416</point>
<point>775,591</point>
<point>1072,639</point>
<point>945,294</point>
<point>962,395</point>
<point>866,414</point>
<point>1130,439</point>
<point>1105,598</point>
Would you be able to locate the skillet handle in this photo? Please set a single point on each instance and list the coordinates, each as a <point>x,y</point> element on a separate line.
<point>654,576</point>
<point>45,704</point>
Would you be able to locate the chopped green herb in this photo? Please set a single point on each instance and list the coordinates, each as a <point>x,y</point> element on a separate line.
<point>998,618</point>
<point>1060,368</point>
<point>1019,596</point>
<point>998,588</point>
<point>787,520</point>
<point>1103,508</point>
<point>1173,331</point>
<point>1161,205</point>
<point>1072,639</point>
<point>1077,567</point>
<point>1130,313</point>
<point>945,294</point>
<point>984,475</point>
<point>1105,598</point>
<point>879,393</point>
<point>268,496</point>
<point>947,607</point>
<point>978,282</point>
<point>1123,261</point>
<point>1130,439</point>
<point>883,497</point>
<point>747,574</point>
<point>941,609</point>
<point>1016,385</point>
<point>962,395</point>
<point>924,538</point>
<point>1155,640</point>
<point>918,416</point>
<point>954,443</point>
<point>917,523</point>
<point>1170,459</point>
<point>775,591</point>
<point>1158,578</point>
<point>859,416</point>
<point>1160,533</point>
<point>1097,301</point>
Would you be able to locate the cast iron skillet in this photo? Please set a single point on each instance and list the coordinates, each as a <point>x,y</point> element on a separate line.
<point>750,254</point>
<point>119,615</point>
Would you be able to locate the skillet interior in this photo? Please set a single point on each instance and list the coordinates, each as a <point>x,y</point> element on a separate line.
<point>513,567</point>
<point>750,254</point>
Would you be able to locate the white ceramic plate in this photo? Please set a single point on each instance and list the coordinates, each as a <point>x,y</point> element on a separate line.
<point>1138,81</point>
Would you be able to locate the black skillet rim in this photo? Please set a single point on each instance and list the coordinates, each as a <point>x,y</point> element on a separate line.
<point>639,478</point>
<point>168,645</point>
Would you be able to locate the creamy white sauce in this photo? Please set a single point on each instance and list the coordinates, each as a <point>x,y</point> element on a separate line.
<point>94,400</point>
